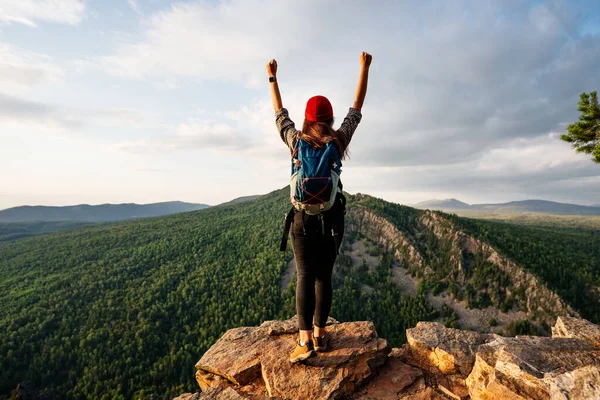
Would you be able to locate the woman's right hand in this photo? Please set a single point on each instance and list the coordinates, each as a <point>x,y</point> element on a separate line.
<point>272,67</point>
<point>365,60</point>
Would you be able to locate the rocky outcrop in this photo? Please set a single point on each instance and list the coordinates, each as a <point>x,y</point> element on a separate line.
<point>385,233</point>
<point>578,328</point>
<point>535,368</point>
<point>255,360</point>
<point>537,298</point>
<point>527,294</point>
<point>452,351</point>
<point>435,363</point>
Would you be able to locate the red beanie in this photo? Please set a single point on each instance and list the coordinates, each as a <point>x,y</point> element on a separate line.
<point>318,109</point>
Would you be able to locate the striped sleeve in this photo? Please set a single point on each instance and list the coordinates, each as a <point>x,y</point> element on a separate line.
<point>351,122</point>
<point>286,127</point>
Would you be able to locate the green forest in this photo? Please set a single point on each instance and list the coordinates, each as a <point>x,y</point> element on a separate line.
<point>125,310</point>
<point>20,230</point>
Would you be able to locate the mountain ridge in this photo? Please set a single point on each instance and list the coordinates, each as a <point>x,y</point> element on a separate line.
<point>96,213</point>
<point>516,207</point>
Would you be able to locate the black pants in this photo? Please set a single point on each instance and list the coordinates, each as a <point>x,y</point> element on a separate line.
<point>315,250</point>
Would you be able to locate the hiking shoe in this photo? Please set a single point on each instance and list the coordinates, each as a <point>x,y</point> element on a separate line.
<point>302,352</point>
<point>320,342</point>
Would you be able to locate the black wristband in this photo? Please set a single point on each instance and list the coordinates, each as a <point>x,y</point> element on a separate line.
<point>272,79</point>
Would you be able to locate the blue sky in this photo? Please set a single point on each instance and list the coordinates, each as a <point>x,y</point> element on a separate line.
<point>146,101</point>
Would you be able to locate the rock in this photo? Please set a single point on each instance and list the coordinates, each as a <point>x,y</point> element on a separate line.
<point>206,380</point>
<point>384,233</point>
<point>220,393</point>
<point>530,367</point>
<point>188,396</point>
<point>452,351</point>
<point>436,363</point>
<point>353,357</point>
<point>255,360</point>
<point>583,383</point>
<point>426,394</point>
<point>233,357</point>
<point>391,379</point>
<point>570,327</point>
<point>453,386</point>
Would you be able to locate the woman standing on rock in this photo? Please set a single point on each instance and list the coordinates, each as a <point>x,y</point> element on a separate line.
<point>317,215</point>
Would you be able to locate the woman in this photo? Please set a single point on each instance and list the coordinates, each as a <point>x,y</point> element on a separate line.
<point>312,248</point>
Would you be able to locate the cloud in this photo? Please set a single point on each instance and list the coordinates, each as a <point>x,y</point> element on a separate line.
<point>111,117</point>
<point>246,132</point>
<point>22,72</point>
<point>27,12</point>
<point>21,112</point>
<point>466,78</point>
<point>191,40</point>
<point>523,168</point>
<point>192,135</point>
<point>21,69</point>
<point>134,6</point>
<point>465,96</point>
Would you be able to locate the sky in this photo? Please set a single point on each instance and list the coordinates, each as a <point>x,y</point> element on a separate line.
<point>117,101</point>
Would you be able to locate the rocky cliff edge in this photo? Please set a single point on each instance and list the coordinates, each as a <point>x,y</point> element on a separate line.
<point>435,363</point>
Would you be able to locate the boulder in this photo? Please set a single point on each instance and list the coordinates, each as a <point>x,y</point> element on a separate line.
<point>570,327</point>
<point>255,361</point>
<point>235,356</point>
<point>583,383</point>
<point>451,351</point>
<point>391,380</point>
<point>534,368</point>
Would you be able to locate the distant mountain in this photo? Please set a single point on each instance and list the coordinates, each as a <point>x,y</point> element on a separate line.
<point>538,206</point>
<point>97,213</point>
<point>242,199</point>
<point>447,204</point>
<point>513,207</point>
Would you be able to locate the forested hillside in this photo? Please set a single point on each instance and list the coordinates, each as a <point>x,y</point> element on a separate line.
<point>568,260</point>
<point>19,230</point>
<point>125,310</point>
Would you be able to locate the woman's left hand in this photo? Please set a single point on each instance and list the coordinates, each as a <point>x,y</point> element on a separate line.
<point>272,67</point>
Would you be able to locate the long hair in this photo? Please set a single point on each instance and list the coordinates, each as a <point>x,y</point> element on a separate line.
<point>318,134</point>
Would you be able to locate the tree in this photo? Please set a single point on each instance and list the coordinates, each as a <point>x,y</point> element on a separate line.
<point>585,133</point>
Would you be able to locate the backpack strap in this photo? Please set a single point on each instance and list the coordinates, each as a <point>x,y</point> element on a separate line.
<point>286,230</point>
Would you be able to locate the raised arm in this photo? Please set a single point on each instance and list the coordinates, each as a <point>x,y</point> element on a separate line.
<point>275,95</point>
<point>361,90</point>
<point>285,126</point>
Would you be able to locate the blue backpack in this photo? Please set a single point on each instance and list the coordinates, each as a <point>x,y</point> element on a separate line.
<point>315,178</point>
